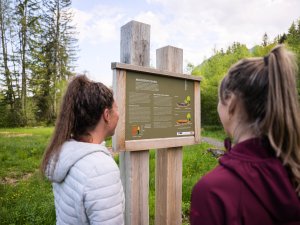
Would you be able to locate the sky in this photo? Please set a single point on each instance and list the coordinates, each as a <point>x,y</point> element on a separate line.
<point>196,26</point>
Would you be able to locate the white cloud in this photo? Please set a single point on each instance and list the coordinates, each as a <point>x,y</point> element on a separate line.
<point>159,34</point>
<point>98,25</point>
<point>80,19</point>
<point>99,38</point>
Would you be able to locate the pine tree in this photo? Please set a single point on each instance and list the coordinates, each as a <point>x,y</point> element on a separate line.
<point>265,41</point>
<point>293,42</point>
<point>27,18</point>
<point>56,56</point>
<point>5,25</point>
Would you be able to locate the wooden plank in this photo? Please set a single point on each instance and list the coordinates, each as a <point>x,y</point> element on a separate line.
<point>168,173</point>
<point>136,145</point>
<point>135,185</point>
<point>140,187</point>
<point>167,56</point>
<point>149,70</point>
<point>161,197</point>
<point>168,186</point>
<point>119,88</point>
<point>135,44</point>
<point>134,166</point>
<point>197,113</point>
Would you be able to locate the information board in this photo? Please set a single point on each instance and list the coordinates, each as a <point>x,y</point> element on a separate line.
<point>158,106</point>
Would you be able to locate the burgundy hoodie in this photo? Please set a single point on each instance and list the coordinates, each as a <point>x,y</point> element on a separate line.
<point>249,187</point>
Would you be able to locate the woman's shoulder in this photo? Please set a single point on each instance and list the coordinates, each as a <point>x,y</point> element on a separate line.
<point>100,172</point>
<point>97,163</point>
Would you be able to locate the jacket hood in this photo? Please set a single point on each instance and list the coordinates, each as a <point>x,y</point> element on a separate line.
<point>71,152</point>
<point>255,163</point>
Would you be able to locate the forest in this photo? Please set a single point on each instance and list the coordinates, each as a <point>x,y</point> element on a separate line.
<point>37,56</point>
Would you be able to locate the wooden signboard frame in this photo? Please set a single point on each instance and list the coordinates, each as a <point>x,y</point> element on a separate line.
<point>119,87</point>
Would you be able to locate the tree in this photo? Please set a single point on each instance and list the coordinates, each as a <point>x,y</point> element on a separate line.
<point>56,57</point>
<point>293,42</point>
<point>281,38</point>
<point>189,67</point>
<point>265,40</point>
<point>27,12</point>
<point>5,12</point>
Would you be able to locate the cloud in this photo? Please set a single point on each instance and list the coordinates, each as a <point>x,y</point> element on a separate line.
<point>98,25</point>
<point>159,33</point>
<point>80,19</point>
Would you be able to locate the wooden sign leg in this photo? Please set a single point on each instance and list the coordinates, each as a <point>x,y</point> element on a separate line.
<point>135,179</point>
<point>134,166</point>
<point>168,173</point>
<point>168,186</point>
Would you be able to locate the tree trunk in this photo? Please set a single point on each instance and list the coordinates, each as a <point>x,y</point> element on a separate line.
<point>15,74</point>
<point>56,60</point>
<point>23,58</point>
<point>7,74</point>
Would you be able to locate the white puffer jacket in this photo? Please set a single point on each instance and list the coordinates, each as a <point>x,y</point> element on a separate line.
<point>86,185</point>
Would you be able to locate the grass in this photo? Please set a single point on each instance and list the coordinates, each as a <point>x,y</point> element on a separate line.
<point>213,132</point>
<point>21,150</point>
<point>27,198</point>
<point>27,202</point>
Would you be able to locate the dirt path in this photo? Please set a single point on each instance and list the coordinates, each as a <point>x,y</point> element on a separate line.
<point>214,142</point>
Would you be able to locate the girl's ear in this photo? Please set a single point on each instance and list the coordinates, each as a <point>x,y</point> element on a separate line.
<point>232,104</point>
<point>106,115</point>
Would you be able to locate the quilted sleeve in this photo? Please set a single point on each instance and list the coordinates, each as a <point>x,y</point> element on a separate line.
<point>104,197</point>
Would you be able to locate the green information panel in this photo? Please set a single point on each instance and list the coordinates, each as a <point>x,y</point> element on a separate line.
<point>158,106</point>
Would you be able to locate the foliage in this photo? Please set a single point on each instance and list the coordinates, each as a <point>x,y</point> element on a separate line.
<point>212,72</point>
<point>55,56</point>
<point>293,42</point>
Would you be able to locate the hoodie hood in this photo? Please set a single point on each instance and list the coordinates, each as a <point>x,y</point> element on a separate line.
<point>71,152</point>
<point>255,163</point>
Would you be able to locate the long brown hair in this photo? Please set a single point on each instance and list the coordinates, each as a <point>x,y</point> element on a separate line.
<point>81,109</point>
<point>266,87</point>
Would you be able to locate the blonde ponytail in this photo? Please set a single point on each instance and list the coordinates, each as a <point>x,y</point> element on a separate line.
<point>282,120</point>
<point>267,89</point>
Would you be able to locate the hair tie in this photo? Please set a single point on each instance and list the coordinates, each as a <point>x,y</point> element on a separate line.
<point>266,60</point>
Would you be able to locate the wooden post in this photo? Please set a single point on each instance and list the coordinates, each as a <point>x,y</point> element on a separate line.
<point>168,172</point>
<point>134,166</point>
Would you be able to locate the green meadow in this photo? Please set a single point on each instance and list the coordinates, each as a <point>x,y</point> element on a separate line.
<point>26,197</point>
